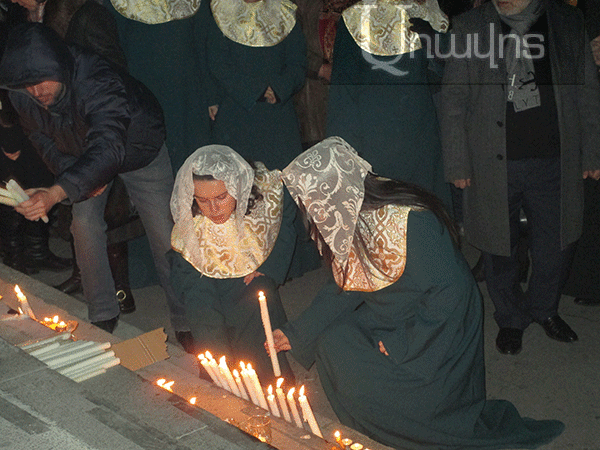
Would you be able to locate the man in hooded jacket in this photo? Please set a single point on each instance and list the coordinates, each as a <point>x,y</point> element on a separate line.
<point>90,123</point>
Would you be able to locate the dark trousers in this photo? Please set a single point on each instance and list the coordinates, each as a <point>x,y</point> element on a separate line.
<point>534,187</point>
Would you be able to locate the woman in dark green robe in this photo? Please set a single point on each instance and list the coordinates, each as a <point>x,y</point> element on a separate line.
<point>165,43</point>
<point>246,62</point>
<point>399,348</point>
<point>380,98</point>
<point>237,240</point>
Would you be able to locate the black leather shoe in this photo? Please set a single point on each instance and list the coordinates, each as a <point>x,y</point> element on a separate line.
<point>509,341</point>
<point>587,301</point>
<point>126,302</point>
<point>186,340</point>
<point>50,262</point>
<point>71,285</point>
<point>556,328</point>
<point>107,325</point>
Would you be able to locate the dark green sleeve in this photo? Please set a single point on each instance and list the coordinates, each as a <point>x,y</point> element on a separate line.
<point>278,263</point>
<point>429,296</point>
<point>329,305</point>
<point>202,20</point>
<point>242,85</point>
<point>291,78</point>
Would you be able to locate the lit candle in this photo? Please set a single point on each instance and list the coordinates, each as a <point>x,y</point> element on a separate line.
<point>347,443</point>
<point>272,402</point>
<point>240,385</point>
<point>193,400</point>
<point>249,384</point>
<point>356,446</point>
<point>260,396</point>
<point>227,374</point>
<point>293,407</point>
<point>209,369</point>
<point>216,370</point>
<point>23,303</point>
<point>308,414</point>
<point>282,402</point>
<point>264,314</point>
<point>338,439</point>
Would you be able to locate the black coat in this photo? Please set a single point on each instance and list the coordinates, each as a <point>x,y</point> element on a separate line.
<point>104,123</point>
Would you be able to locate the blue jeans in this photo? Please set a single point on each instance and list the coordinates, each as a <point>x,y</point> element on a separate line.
<point>150,191</point>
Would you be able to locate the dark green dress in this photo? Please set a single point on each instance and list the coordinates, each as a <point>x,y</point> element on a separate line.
<point>169,58</point>
<point>254,128</point>
<point>224,314</point>
<point>429,393</point>
<point>383,107</point>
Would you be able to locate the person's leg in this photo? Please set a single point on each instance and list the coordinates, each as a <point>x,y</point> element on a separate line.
<point>89,238</point>
<point>150,191</point>
<point>550,262</point>
<point>501,272</point>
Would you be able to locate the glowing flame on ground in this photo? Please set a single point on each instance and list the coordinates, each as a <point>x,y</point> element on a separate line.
<point>193,400</point>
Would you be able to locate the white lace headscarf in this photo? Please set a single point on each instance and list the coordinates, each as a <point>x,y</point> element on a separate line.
<point>328,179</point>
<point>223,164</point>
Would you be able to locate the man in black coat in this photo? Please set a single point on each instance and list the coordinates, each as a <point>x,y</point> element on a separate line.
<point>91,123</point>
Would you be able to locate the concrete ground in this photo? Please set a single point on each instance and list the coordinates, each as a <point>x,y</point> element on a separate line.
<point>547,380</point>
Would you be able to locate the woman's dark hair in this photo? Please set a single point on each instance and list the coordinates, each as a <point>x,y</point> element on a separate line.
<point>255,195</point>
<point>380,192</point>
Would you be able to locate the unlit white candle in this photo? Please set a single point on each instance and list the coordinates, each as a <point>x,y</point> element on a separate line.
<point>227,374</point>
<point>88,362</point>
<point>293,407</point>
<point>87,376</point>
<point>13,186</point>
<point>266,320</point>
<point>308,414</point>
<point>78,355</point>
<point>94,367</point>
<point>48,348</point>
<point>272,402</point>
<point>34,345</point>
<point>60,350</point>
<point>282,402</point>
<point>260,396</point>
<point>240,385</point>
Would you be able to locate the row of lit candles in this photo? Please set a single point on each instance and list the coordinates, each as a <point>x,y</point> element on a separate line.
<point>346,443</point>
<point>54,323</point>
<point>245,384</point>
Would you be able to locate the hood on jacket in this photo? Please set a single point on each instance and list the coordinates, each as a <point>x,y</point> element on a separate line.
<point>34,53</point>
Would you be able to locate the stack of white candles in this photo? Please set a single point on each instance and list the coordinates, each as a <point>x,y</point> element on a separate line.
<point>245,384</point>
<point>78,360</point>
<point>13,195</point>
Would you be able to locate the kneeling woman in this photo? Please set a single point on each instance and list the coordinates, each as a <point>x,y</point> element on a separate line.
<point>397,338</point>
<point>233,237</point>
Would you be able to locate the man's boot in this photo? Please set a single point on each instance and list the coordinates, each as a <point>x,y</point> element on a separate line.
<point>12,240</point>
<point>37,250</point>
<point>72,285</point>
<point>119,265</point>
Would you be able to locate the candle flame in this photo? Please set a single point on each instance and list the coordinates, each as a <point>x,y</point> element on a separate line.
<point>193,400</point>
<point>208,355</point>
<point>18,290</point>
<point>55,319</point>
<point>20,310</point>
<point>168,385</point>
<point>337,435</point>
<point>279,382</point>
<point>249,367</point>
<point>236,374</point>
<point>291,392</point>
<point>222,361</point>
<point>161,382</point>
<point>270,390</point>
<point>242,365</point>
<point>301,391</point>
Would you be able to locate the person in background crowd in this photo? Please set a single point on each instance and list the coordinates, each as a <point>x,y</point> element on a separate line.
<point>380,99</point>
<point>525,140</point>
<point>584,278</point>
<point>257,55</point>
